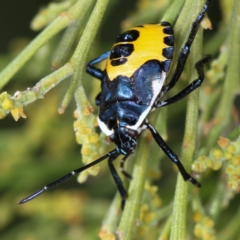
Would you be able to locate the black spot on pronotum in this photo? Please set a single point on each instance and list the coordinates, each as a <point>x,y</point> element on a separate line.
<point>118,62</point>
<point>165,24</point>
<point>168,52</point>
<point>128,36</point>
<point>166,65</point>
<point>121,50</point>
<point>169,40</point>
<point>168,30</point>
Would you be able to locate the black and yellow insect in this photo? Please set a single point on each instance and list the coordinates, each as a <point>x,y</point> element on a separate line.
<point>132,86</point>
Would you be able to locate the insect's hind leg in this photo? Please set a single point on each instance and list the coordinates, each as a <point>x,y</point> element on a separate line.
<point>186,49</point>
<point>173,157</point>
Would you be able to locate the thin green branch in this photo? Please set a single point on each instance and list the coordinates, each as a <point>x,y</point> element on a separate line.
<point>111,219</point>
<point>166,229</point>
<point>178,228</point>
<point>163,213</point>
<point>131,212</point>
<point>78,60</point>
<point>173,11</point>
<point>79,57</point>
<point>215,204</point>
<point>47,14</point>
<point>84,109</point>
<point>42,87</point>
<point>231,230</point>
<point>61,54</point>
<point>232,79</point>
<point>20,99</point>
<point>56,26</point>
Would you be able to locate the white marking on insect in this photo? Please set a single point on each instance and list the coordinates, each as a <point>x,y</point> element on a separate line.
<point>104,128</point>
<point>156,87</point>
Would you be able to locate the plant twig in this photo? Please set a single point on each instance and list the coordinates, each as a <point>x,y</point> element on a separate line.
<point>231,83</point>
<point>178,228</point>
<point>130,215</point>
<point>56,26</point>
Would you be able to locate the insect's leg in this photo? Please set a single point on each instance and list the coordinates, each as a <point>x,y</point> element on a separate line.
<point>186,49</point>
<point>117,180</point>
<point>95,72</point>
<point>63,179</point>
<point>122,166</point>
<point>173,157</point>
<point>98,99</point>
<point>195,84</point>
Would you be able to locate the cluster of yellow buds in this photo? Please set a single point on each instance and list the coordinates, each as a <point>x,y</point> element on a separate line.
<point>152,202</point>
<point>89,139</point>
<point>7,105</point>
<point>228,153</point>
<point>204,228</point>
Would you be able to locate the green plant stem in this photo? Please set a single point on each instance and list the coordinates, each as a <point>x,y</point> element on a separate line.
<point>77,61</point>
<point>47,14</point>
<point>178,228</point>
<point>68,96</point>
<point>130,215</point>
<point>166,229</point>
<point>234,134</point>
<point>56,26</point>
<point>42,87</point>
<point>215,204</point>
<point>231,84</point>
<point>162,213</point>
<point>173,11</point>
<point>61,54</point>
<point>231,230</point>
<point>79,58</point>
<point>197,206</point>
<point>111,219</point>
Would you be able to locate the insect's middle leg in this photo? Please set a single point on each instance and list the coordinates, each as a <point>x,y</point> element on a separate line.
<point>122,166</point>
<point>190,88</point>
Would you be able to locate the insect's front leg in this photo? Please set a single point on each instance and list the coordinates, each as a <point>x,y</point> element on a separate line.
<point>95,72</point>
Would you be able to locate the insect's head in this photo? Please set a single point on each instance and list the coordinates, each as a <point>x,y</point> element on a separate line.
<point>125,139</point>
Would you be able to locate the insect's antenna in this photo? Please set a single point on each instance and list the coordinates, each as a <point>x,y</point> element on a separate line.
<point>62,179</point>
